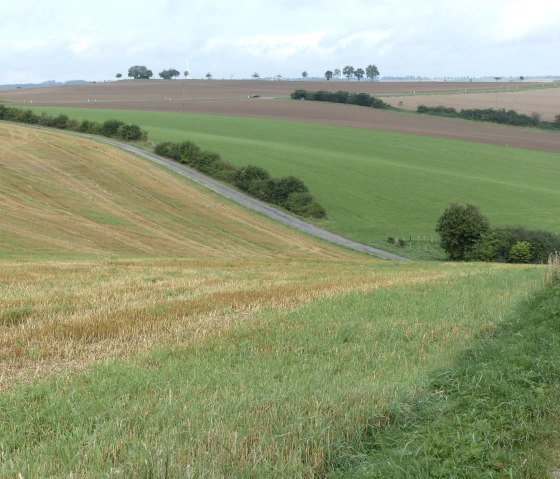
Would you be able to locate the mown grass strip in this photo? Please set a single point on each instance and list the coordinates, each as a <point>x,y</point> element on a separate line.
<point>494,414</point>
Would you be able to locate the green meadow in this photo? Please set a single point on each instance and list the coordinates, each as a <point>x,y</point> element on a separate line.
<point>373,184</point>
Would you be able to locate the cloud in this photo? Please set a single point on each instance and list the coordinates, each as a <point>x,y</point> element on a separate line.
<point>523,20</point>
<point>279,47</point>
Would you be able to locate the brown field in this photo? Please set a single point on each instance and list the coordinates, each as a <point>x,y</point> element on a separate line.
<point>229,97</point>
<point>545,101</point>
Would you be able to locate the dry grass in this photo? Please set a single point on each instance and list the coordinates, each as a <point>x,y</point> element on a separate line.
<point>67,314</point>
<point>65,196</point>
<point>544,101</point>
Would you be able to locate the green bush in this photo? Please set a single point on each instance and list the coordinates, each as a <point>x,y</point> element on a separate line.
<point>520,252</point>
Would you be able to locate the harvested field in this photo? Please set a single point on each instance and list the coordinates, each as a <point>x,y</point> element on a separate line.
<point>544,102</point>
<point>229,98</point>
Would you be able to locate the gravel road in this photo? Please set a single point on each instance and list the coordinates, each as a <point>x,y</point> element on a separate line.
<point>253,203</point>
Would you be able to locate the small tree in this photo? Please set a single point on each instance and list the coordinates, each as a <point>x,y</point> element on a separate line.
<point>359,73</point>
<point>186,73</point>
<point>460,227</point>
<point>304,74</point>
<point>348,71</point>
<point>372,72</point>
<point>119,75</point>
<point>255,75</point>
<point>328,74</point>
<point>337,73</point>
<point>209,76</point>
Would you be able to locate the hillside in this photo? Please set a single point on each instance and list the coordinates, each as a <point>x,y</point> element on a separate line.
<point>151,329</point>
<point>62,195</point>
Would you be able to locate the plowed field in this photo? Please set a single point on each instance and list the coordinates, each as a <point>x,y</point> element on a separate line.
<point>229,97</point>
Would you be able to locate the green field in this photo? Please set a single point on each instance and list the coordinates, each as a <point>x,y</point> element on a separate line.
<point>385,184</point>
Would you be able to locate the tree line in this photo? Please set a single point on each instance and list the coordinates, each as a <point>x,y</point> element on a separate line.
<point>502,116</point>
<point>361,99</point>
<point>110,128</point>
<point>288,192</point>
<point>466,235</point>
<point>141,72</point>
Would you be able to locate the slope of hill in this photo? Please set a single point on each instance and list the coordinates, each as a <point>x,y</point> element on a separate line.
<point>225,345</point>
<point>66,196</point>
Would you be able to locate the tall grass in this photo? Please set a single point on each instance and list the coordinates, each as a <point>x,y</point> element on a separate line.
<point>285,394</point>
<point>493,413</point>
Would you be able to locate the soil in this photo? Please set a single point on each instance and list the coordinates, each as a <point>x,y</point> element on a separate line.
<point>230,97</point>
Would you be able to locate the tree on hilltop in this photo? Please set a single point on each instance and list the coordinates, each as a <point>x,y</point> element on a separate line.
<point>140,72</point>
<point>348,71</point>
<point>209,76</point>
<point>359,73</point>
<point>372,72</point>
<point>304,74</point>
<point>118,75</point>
<point>169,74</point>
<point>186,73</point>
<point>328,74</point>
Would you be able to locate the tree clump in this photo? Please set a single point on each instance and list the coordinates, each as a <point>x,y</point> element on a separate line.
<point>466,234</point>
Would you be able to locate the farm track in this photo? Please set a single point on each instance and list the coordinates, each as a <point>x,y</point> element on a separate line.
<point>229,98</point>
<point>253,204</point>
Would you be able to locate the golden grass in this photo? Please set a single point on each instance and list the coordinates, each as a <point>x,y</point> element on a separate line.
<point>544,102</point>
<point>67,314</point>
<point>60,195</point>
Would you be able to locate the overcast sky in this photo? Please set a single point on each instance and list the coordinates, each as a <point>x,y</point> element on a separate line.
<point>68,39</point>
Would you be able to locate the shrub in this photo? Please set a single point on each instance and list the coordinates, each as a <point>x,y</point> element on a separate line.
<point>248,174</point>
<point>111,127</point>
<point>521,252</point>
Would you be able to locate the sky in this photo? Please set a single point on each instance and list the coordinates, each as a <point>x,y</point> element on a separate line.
<point>61,40</point>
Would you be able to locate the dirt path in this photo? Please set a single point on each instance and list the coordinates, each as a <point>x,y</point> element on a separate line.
<point>253,204</point>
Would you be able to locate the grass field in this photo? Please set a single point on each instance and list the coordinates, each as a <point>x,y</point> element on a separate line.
<point>282,384</point>
<point>149,329</point>
<point>387,184</point>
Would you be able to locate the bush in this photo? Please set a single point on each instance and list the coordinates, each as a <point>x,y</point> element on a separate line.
<point>111,127</point>
<point>249,174</point>
<point>521,252</point>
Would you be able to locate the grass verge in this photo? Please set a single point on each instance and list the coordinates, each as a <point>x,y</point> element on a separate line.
<point>494,413</point>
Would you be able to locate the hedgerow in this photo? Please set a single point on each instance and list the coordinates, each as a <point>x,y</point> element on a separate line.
<point>360,99</point>
<point>110,128</point>
<point>502,116</point>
